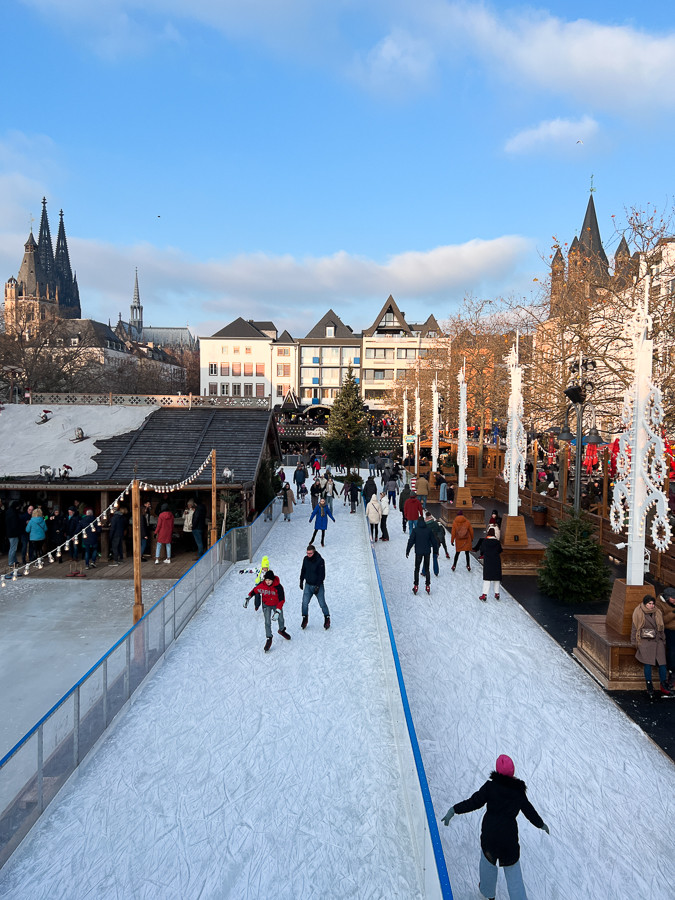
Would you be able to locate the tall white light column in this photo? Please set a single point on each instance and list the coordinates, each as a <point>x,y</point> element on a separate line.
<point>516,441</point>
<point>641,463</point>
<point>417,428</point>
<point>435,426</point>
<point>405,423</point>
<point>462,452</point>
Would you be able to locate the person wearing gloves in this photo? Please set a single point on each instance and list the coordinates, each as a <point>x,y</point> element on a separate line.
<point>259,576</point>
<point>273,598</point>
<point>320,513</point>
<point>312,577</point>
<point>505,796</point>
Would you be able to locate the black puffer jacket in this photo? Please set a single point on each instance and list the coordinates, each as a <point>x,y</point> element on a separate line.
<point>422,539</point>
<point>505,798</point>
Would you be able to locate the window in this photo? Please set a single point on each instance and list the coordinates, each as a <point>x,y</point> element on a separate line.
<point>283,370</point>
<point>248,370</point>
<point>260,390</point>
<point>283,351</point>
<point>225,390</point>
<point>248,390</point>
<point>260,370</point>
<point>431,334</point>
<point>387,320</point>
<point>307,374</point>
<point>236,390</point>
<point>330,376</point>
<point>406,353</point>
<point>235,350</point>
<point>401,373</point>
<point>383,374</point>
<point>280,390</point>
<point>225,370</point>
<point>213,389</point>
<point>308,354</point>
<point>330,356</point>
<point>236,369</point>
<point>213,368</point>
<point>379,353</point>
<point>349,354</point>
<point>224,350</point>
<point>330,331</point>
<point>247,350</point>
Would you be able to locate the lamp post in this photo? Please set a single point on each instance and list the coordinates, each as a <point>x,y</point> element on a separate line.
<point>577,393</point>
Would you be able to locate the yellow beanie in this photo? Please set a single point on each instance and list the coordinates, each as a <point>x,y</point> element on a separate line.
<point>265,564</point>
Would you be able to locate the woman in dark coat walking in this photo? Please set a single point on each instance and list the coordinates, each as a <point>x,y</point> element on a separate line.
<point>491,551</point>
<point>505,797</point>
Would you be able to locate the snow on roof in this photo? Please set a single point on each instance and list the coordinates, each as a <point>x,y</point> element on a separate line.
<point>25,445</point>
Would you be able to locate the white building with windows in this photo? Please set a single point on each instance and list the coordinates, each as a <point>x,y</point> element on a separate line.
<point>326,353</point>
<point>248,359</point>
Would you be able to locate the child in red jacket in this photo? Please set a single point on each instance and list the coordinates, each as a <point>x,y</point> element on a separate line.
<point>271,592</point>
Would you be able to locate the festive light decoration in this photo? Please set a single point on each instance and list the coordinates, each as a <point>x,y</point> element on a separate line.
<point>516,439</point>
<point>462,449</point>
<point>641,462</point>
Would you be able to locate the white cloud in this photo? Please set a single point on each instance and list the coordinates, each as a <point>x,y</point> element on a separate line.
<point>397,64</point>
<point>564,135</point>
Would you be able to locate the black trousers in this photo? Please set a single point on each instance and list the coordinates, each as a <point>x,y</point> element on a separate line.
<point>383,528</point>
<point>468,559</point>
<point>323,535</point>
<point>419,559</point>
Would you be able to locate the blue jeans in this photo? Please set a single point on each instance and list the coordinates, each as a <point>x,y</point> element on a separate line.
<point>90,554</point>
<point>392,497</point>
<point>198,535</point>
<point>267,615</point>
<point>413,524</point>
<point>329,503</point>
<point>308,593</point>
<point>13,547</point>
<point>423,500</point>
<point>663,673</point>
<point>488,879</point>
<point>144,546</point>
<point>435,564</point>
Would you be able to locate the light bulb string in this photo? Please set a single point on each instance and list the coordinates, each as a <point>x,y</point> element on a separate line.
<point>91,526</point>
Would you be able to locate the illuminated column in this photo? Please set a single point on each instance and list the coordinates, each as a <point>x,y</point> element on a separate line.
<point>462,452</point>
<point>405,422</point>
<point>516,441</point>
<point>435,426</point>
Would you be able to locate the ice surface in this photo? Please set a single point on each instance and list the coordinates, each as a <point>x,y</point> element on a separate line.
<point>485,679</point>
<point>26,446</point>
<point>243,774</point>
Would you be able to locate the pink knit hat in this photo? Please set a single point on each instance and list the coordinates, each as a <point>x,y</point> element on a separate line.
<point>504,766</point>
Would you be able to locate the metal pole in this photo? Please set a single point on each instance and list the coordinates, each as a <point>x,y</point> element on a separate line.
<point>136,532</point>
<point>577,465</point>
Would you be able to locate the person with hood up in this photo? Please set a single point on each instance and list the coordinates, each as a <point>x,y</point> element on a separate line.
<point>164,533</point>
<point>462,538</point>
<point>369,488</point>
<point>320,513</point>
<point>374,515</point>
<point>403,496</point>
<point>312,577</point>
<point>490,550</point>
<point>272,595</point>
<point>505,797</point>
<point>354,494</point>
<point>648,637</point>
<point>423,540</point>
<point>287,501</point>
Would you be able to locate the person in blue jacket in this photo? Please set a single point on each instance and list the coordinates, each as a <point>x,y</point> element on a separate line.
<point>36,529</point>
<point>320,513</point>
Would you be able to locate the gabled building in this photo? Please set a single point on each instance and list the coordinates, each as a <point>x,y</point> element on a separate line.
<point>326,352</point>
<point>172,339</point>
<point>390,347</point>
<point>248,359</point>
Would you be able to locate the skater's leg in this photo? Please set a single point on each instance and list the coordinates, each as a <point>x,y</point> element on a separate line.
<point>306,597</point>
<point>427,567</point>
<point>314,535</point>
<point>514,882</point>
<point>418,562</point>
<point>663,675</point>
<point>321,597</point>
<point>488,877</point>
<point>383,526</point>
<point>435,563</point>
<point>468,559</point>
<point>280,621</point>
<point>454,562</point>
<point>267,613</point>
<point>648,673</point>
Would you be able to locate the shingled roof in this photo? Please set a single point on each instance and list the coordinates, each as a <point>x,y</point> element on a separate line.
<point>172,443</point>
<point>330,318</point>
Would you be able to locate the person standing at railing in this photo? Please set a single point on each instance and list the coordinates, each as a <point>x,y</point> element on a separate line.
<point>199,526</point>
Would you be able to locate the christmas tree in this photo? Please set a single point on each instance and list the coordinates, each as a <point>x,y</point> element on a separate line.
<point>348,440</point>
<point>574,568</point>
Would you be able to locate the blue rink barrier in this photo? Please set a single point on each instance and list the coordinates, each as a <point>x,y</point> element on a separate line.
<point>423,820</point>
<point>36,768</point>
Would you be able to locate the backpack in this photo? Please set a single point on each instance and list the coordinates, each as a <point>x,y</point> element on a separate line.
<point>462,532</point>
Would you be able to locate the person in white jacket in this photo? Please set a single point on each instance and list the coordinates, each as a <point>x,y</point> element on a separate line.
<point>374,515</point>
<point>387,507</point>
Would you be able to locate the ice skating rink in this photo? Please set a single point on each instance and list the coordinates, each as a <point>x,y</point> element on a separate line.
<point>239,774</point>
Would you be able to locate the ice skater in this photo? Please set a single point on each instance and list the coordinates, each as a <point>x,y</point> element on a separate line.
<point>490,551</point>
<point>259,576</point>
<point>424,541</point>
<point>505,797</point>
<point>273,598</point>
<point>312,577</point>
<point>320,514</point>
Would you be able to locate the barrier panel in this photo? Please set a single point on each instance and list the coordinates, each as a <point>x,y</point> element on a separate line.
<point>38,766</point>
<point>426,838</point>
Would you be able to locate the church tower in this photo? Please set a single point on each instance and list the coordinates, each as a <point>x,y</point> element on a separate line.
<point>136,314</point>
<point>68,294</point>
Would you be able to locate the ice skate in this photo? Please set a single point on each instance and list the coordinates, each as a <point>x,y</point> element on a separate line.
<point>326,622</point>
<point>428,589</point>
<point>246,602</point>
<point>414,588</point>
<point>303,624</point>
<point>483,597</point>
<point>285,634</point>
<point>268,644</point>
<point>496,596</point>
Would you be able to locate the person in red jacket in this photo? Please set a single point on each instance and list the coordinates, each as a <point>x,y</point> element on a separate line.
<point>412,510</point>
<point>164,533</point>
<point>273,598</point>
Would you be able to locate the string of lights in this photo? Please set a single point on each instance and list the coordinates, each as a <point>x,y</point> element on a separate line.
<point>53,555</point>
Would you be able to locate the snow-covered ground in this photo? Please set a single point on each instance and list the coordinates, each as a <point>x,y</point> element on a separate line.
<point>26,445</point>
<point>243,774</point>
<point>240,774</point>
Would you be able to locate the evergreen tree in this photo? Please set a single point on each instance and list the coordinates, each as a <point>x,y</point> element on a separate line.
<point>574,568</point>
<point>348,439</point>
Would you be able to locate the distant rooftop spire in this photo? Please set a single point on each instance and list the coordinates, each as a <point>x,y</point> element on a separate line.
<point>45,250</point>
<point>590,243</point>
<point>136,311</point>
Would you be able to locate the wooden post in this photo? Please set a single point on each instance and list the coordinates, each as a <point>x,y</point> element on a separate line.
<point>136,533</point>
<point>535,455</point>
<point>213,498</point>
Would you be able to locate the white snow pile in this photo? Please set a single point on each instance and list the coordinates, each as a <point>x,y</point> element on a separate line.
<point>26,445</point>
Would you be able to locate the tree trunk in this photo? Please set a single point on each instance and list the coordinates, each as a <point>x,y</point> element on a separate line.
<point>481,443</point>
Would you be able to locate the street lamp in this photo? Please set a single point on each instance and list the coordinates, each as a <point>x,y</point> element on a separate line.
<point>577,393</point>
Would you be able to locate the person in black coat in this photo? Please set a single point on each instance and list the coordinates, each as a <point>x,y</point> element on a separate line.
<point>70,528</point>
<point>353,496</point>
<point>312,577</point>
<point>369,489</point>
<point>424,541</point>
<point>505,797</point>
<point>118,525</point>
<point>490,550</point>
<point>13,531</point>
<point>56,530</point>
<point>199,526</point>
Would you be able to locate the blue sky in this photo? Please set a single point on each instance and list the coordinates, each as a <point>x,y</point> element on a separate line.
<point>276,157</point>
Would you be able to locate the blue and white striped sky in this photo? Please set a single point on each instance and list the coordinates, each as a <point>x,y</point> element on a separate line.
<point>272,158</point>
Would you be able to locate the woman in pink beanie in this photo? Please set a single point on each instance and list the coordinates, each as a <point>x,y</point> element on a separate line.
<point>505,796</point>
